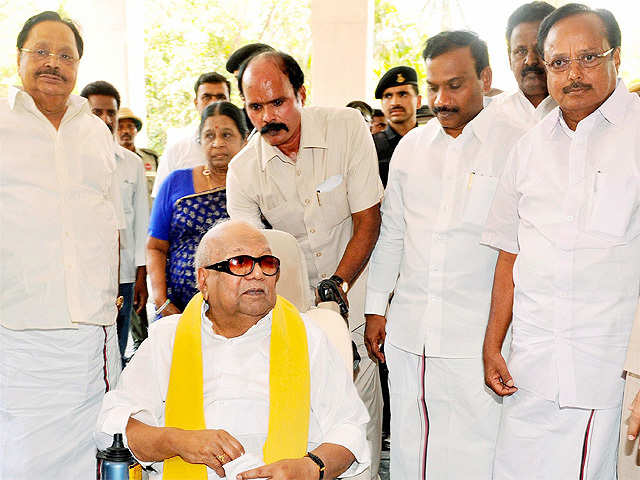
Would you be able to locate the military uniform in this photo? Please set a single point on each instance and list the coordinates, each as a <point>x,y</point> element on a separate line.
<point>387,140</point>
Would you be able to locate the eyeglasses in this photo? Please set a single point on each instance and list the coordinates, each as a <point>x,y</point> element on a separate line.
<point>42,54</point>
<point>242,265</point>
<point>586,60</point>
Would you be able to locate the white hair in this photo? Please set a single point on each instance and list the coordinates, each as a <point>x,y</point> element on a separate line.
<point>203,252</point>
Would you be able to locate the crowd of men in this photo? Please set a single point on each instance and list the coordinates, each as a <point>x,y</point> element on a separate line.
<point>490,257</point>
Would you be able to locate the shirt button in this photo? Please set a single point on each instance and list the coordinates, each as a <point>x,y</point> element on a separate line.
<point>318,254</point>
<point>298,172</point>
<point>313,230</point>
<point>307,201</point>
<point>324,275</point>
<point>570,218</point>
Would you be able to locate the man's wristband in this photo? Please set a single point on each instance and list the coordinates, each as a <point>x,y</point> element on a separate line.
<point>318,462</point>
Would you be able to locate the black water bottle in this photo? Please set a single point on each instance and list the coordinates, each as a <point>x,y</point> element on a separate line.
<point>117,463</point>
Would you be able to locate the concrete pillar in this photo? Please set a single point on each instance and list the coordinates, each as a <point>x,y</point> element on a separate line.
<point>342,50</point>
<point>113,34</point>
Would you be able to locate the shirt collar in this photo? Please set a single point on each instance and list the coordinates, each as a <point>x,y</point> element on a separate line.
<point>613,110</point>
<point>478,126</point>
<point>312,135</point>
<point>18,96</point>
<point>261,327</point>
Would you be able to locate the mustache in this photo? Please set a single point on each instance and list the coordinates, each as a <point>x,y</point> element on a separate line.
<point>576,86</point>
<point>125,136</point>
<point>51,71</point>
<point>273,127</point>
<point>538,70</point>
<point>445,108</point>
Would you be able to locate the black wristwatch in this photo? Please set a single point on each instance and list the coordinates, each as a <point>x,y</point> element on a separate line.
<point>318,462</point>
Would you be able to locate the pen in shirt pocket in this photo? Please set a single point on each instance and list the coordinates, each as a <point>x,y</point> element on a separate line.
<point>471,178</point>
<point>318,197</point>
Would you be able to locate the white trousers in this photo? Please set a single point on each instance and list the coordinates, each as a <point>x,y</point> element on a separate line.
<point>444,420</point>
<point>51,387</point>
<point>367,381</point>
<point>539,440</point>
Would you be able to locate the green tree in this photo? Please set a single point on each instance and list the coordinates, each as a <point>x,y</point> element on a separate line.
<point>185,38</point>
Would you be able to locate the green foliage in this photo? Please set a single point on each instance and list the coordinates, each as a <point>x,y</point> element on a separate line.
<point>397,41</point>
<point>185,38</point>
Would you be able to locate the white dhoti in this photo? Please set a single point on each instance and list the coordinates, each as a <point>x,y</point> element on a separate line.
<point>539,440</point>
<point>51,387</point>
<point>444,420</point>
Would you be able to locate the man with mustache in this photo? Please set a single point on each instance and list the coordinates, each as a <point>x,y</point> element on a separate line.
<point>400,100</point>
<point>312,172</point>
<point>60,214</point>
<point>239,379</point>
<point>104,101</point>
<point>566,221</point>
<point>186,151</point>
<point>443,175</point>
<point>531,102</point>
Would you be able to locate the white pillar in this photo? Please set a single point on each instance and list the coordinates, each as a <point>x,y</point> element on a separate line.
<point>113,34</point>
<point>342,50</point>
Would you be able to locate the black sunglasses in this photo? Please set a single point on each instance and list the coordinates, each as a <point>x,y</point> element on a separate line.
<point>242,265</point>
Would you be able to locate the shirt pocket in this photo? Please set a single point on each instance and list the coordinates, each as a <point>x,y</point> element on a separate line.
<point>127,191</point>
<point>334,205</point>
<point>614,200</point>
<point>480,191</point>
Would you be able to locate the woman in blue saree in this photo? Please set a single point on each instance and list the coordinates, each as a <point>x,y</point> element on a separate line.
<point>188,203</point>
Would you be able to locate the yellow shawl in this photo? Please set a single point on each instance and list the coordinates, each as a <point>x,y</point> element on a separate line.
<point>289,397</point>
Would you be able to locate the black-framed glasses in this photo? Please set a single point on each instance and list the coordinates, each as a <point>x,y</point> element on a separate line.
<point>586,60</point>
<point>242,265</point>
<point>43,54</point>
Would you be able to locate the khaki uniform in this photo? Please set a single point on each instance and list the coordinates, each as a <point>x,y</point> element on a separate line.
<point>335,175</point>
<point>150,164</point>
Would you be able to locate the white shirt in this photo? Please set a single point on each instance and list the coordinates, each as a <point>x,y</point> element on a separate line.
<point>335,175</point>
<point>135,203</point>
<point>435,205</point>
<point>60,211</point>
<point>519,110</point>
<point>236,389</point>
<point>185,152</point>
<point>568,204</point>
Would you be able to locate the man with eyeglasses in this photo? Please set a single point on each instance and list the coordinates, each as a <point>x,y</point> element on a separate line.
<point>566,221</point>
<point>531,102</point>
<point>239,379</point>
<point>60,214</point>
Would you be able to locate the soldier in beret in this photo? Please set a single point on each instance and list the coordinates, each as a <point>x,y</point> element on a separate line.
<point>398,91</point>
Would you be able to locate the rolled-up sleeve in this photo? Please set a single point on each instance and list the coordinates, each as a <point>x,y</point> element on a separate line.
<point>501,227</point>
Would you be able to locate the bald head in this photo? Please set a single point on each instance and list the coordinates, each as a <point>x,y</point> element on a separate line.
<point>226,239</point>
